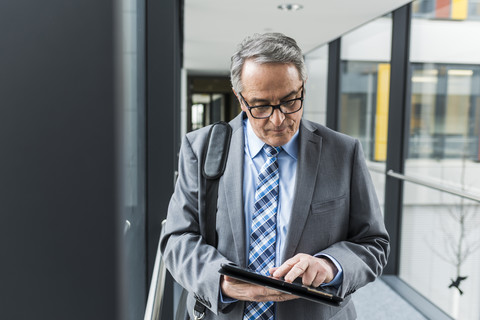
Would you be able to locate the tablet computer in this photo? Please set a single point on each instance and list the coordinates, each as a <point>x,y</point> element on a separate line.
<point>318,295</point>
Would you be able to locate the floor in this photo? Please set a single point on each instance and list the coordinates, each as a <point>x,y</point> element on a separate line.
<point>377,301</point>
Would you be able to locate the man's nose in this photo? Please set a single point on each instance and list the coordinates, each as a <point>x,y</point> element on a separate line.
<point>277,117</point>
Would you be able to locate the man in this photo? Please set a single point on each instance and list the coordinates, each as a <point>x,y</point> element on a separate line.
<point>295,201</point>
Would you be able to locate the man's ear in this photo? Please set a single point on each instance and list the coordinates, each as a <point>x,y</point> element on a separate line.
<point>236,95</point>
<point>239,100</point>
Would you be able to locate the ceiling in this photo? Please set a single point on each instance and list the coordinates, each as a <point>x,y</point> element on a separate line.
<point>213,28</point>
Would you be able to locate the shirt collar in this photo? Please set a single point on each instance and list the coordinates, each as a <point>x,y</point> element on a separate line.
<point>255,144</point>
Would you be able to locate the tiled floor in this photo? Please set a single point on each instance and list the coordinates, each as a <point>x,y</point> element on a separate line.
<point>376,301</point>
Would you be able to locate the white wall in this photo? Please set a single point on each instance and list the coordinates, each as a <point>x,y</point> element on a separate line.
<point>315,104</point>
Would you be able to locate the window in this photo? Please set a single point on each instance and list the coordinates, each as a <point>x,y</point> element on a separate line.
<point>364,92</point>
<point>440,240</point>
<point>445,112</point>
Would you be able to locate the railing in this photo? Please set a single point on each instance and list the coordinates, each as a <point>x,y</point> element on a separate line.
<point>153,310</point>
<point>428,184</point>
<point>435,186</point>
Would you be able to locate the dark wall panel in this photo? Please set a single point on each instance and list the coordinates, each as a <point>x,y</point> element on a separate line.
<point>164,56</point>
<point>163,104</point>
<point>57,234</point>
<point>333,94</point>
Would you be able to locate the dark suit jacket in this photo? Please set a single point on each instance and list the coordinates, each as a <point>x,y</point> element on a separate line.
<point>335,211</point>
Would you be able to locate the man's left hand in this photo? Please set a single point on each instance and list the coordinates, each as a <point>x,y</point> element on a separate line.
<point>314,271</point>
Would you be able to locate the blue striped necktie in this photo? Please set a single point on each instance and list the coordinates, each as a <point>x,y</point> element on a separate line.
<point>263,232</point>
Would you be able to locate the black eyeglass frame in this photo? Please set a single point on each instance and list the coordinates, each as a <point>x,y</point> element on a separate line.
<point>277,106</point>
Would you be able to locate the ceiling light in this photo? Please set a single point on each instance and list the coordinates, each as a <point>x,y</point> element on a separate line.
<point>429,72</point>
<point>455,72</point>
<point>290,7</point>
<point>424,79</point>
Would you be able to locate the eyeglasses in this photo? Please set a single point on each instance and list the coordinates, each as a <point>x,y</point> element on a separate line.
<point>265,111</point>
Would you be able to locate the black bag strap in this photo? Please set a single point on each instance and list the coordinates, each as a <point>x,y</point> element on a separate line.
<point>214,162</point>
<point>213,165</point>
<point>216,151</point>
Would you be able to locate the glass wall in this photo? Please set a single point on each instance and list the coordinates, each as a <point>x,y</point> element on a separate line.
<point>364,92</point>
<point>440,233</point>
<point>440,248</point>
<point>365,85</point>
<point>445,111</point>
<point>440,252</point>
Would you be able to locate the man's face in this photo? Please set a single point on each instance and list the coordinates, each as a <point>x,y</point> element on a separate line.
<point>271,84</point>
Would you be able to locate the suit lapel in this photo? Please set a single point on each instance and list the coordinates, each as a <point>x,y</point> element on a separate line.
<point>310,145</point>
<point>233,187</point>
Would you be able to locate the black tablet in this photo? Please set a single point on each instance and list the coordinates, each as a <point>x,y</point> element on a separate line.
<point>313,294</point>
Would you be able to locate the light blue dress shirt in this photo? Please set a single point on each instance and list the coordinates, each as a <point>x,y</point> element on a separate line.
<point>254,159</point>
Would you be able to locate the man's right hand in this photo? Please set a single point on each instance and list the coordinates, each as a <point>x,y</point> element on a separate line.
<point>240,290</point>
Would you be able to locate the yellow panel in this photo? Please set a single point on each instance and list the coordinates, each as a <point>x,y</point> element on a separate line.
<point>381,119</point>
<point>459,9</point>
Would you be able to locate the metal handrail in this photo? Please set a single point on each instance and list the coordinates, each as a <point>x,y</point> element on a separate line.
<point>428,184</point>
<point>153,310</point>
<point>435,186</point>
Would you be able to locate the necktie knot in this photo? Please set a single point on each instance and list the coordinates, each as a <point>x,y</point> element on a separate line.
<point>271,151</point>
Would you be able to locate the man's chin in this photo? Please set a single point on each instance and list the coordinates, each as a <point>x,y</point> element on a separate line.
<point>278,140</point>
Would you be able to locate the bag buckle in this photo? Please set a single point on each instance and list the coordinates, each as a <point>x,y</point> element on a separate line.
<point>198,315</point>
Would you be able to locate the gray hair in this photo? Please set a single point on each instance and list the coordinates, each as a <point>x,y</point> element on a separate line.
<point>266,48</point>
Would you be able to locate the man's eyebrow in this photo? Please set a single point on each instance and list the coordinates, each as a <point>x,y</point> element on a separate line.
<point>254,101</point>
<point>293,92</point>
<point>259,101</point>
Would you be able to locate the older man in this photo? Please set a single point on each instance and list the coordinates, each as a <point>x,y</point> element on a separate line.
<point>295,201</point>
